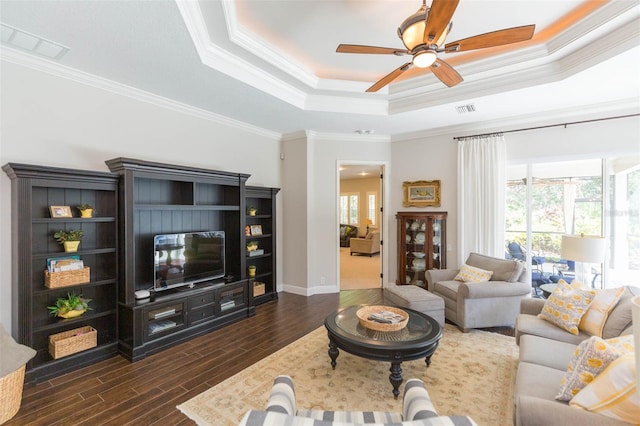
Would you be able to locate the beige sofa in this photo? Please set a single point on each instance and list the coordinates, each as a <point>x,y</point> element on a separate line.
<point>492,303</point>
<point>368,245</point>
<point>545,352</point>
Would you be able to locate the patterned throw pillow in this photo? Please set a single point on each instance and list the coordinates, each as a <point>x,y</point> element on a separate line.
<point>593,320</point>
<point>614,393</point>
<point>566,306</point>
<point>471,274</point>
<point>590,358</point>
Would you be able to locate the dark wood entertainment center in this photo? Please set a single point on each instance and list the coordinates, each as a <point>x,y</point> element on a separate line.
<point>138,200</point>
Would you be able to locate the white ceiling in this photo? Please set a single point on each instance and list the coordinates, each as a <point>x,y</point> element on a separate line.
<point>272,64</point>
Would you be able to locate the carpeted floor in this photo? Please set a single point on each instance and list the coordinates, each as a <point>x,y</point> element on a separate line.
<point>471,373</point>
<point>359,271</point>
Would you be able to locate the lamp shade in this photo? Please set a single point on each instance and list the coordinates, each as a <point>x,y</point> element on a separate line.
<point>583,248</point>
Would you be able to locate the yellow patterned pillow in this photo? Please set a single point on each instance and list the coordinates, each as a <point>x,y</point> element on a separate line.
<point>566,306</point>
<point>590,358</point>
<point>614,393</point>
<point>593,320</point>
<point>471,274</point>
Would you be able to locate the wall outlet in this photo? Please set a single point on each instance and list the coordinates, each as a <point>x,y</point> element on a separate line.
<point>323,280</point>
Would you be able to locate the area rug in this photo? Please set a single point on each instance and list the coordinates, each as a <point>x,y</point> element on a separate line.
<point>470,374</point>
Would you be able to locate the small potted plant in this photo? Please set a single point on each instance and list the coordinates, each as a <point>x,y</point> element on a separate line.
<point>252,246</point>
<point>70,240</point>
<point>252,211</point>
<point>70,307</point>
<point>86,210</point>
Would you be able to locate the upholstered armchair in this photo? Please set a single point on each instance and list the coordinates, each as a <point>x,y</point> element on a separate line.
<point>417,410</point>
<point>368,245</point>
<point>481,302</point>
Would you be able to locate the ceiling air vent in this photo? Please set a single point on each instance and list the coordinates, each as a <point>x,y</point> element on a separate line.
<point>31,43</point>
<point>463,109</point>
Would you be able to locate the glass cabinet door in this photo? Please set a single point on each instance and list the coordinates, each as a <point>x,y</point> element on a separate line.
<point>421,245</point>
<point>436,244</point>
<point>415,242</point>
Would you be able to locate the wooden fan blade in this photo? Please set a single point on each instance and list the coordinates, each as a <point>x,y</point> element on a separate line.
<point>446,73</point>
<point>388,78</point>
<point>357,48</point>
<point>438,19</point>
<point>495,38</point>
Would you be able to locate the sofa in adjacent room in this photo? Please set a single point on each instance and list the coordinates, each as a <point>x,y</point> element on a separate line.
<point>546,351</point>
<point>485,292</point>
<point>369,245</point>
<point>346,233</point>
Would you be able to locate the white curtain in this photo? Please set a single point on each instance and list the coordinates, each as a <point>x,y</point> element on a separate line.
<point>481,198</point>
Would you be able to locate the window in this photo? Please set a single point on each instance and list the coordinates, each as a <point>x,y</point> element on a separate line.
<point>349,208</point>
<point>372,207</point>
<point>575,197</point>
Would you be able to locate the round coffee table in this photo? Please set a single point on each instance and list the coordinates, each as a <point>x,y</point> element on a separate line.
<point>418,339</point>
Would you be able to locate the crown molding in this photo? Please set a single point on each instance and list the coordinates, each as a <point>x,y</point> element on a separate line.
<point>265,51</point>
<point>346,137</point>
<point>559,116</point>
<point>56,69</point>
<point>221,60</point>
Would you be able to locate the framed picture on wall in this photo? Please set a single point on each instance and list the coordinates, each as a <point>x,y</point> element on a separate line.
<point>421,193</point>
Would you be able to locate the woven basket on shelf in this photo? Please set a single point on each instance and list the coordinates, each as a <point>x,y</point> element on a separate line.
<point>11,393</point>
<point>72,341</point>
<point>67,278</point>
<point>258,289</point>
<point>363,315</point>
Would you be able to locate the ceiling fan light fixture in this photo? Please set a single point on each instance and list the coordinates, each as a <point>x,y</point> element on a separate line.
<point>411,31</point>
<point>424,59</point>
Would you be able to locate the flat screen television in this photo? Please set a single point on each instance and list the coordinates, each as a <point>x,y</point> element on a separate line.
<point>187,258</point>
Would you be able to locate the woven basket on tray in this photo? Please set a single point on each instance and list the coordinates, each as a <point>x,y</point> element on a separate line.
<point>363,315</point>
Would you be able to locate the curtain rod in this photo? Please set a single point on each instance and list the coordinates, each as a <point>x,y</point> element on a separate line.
<point>457,138</point>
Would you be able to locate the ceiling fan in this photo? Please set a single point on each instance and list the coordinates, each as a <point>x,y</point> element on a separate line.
<point>423,35</point>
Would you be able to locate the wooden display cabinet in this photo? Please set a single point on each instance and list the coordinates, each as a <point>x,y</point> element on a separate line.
<point>158,198</point>
<point>33,190</point>
<point>260,228</point>
<point>422,244</point>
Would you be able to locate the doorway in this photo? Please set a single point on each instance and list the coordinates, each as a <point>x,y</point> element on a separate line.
<point>360,201</point>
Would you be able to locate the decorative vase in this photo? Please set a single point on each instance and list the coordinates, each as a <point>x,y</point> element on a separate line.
<point>70,246</point>
<point>86,213</point>
<point>252,271</point>
<point>72,314</point>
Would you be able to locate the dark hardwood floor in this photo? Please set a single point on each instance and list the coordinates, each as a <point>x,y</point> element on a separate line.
<point>146,392</point>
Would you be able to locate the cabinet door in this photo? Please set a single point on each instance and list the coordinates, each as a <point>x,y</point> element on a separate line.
<point>437,259</point>
<point>159,320</point>
<point>232,298</point>
<point>421,245</point>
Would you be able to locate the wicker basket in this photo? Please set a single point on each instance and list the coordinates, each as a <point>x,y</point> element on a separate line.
<point>11,394</point>
<point>72,341</point>
<point>67,278</point>
<point>363,315</point>
<point>258,289</point>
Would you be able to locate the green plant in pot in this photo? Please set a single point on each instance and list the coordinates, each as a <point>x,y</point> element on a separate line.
<point>70,240</point>
<point>86,210</point>
<point>70,307</point>
<point>252,245</point>
<point>252,211</point>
